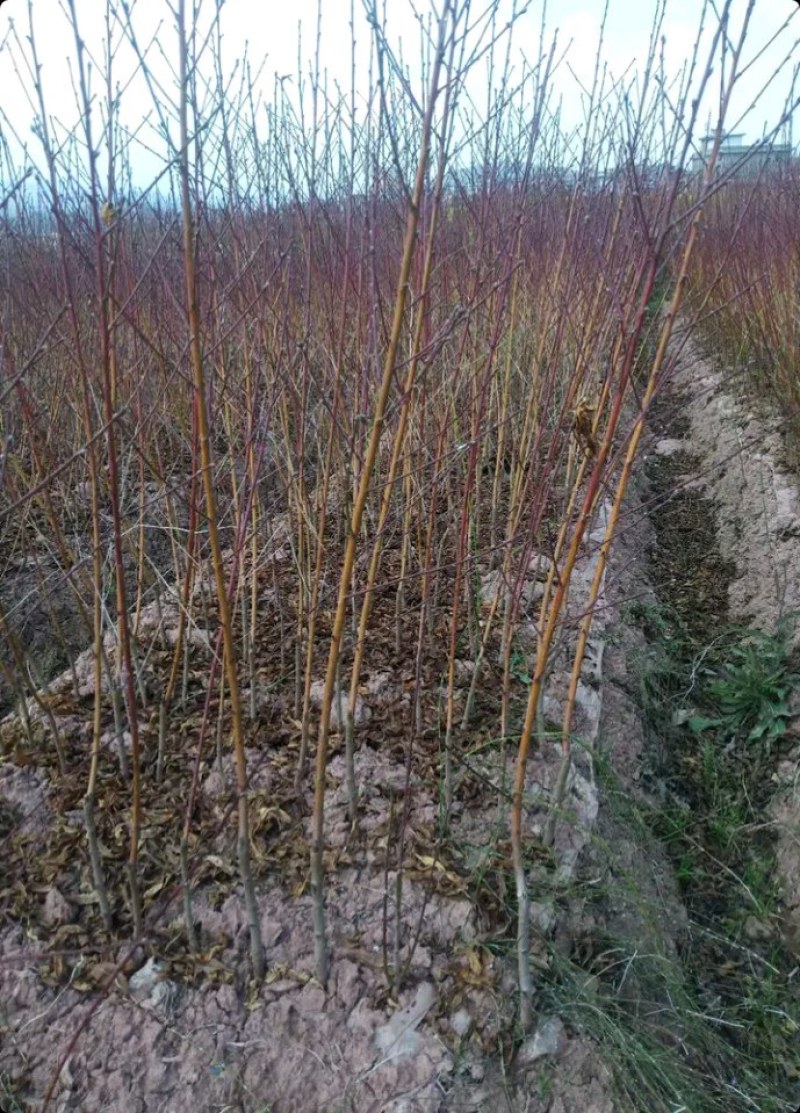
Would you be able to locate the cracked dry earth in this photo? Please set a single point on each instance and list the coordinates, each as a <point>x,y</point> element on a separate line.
<point>89,1024</point>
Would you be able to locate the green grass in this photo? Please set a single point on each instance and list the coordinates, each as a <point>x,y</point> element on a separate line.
<point>9,1102</point>
<point>715,720</point>
<point>672,1051</point>
<point>710,1026</point>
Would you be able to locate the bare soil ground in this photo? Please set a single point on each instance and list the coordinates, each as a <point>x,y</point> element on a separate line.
<point>92,1024</point>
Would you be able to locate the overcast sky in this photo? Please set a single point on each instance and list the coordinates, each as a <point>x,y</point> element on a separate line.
<point>268,31</point>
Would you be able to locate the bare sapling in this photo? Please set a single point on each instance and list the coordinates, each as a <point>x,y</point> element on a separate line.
<point>601,455</point>
<point>229,647</point>
<point>318,835</point>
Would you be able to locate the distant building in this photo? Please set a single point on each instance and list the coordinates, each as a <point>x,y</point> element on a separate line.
<point>754,157</point>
